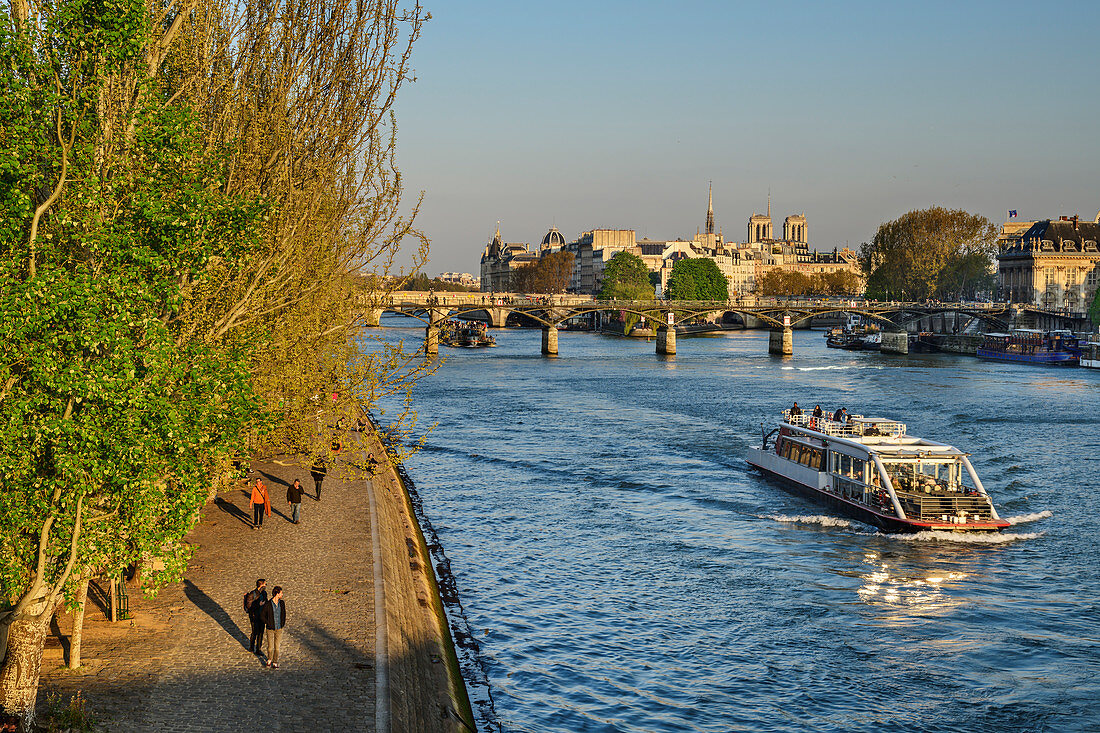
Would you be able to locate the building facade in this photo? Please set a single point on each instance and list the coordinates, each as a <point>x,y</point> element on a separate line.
<point>1051,264</point>
<point>500,260</point>
<point>742,263</point>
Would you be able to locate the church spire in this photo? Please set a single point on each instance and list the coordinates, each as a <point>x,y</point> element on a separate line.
<point>710,209</point>
<point>769,203</point>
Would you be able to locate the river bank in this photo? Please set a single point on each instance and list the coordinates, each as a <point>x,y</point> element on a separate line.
<point>366,646</point>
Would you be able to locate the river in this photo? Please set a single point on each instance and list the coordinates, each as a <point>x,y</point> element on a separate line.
<point>623,569</point>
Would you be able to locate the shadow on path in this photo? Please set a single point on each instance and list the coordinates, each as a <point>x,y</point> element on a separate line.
<point>211,608</point>
<point>274,479</point>
<point>233,510</point>
<point>66,641</point>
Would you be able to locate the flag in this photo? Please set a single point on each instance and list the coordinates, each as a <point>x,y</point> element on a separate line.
<point>1012,213</point>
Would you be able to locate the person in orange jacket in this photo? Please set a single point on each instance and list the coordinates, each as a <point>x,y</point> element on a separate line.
<point>261,504</point>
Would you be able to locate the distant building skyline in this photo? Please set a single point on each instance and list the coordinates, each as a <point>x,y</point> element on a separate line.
<point>616,114</point>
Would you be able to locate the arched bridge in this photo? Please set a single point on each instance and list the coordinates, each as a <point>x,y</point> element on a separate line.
<point>776,314</point>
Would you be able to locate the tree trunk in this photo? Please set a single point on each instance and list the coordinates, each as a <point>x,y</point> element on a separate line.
<point>78,625</point>
<point>21,668</point>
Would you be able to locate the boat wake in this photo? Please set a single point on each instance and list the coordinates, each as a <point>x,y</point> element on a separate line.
<point>820,519</point>
<point>966,538</point>
<point>1025,518</point>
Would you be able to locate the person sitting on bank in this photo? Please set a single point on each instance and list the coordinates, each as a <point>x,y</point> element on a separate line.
<point>795,409</point>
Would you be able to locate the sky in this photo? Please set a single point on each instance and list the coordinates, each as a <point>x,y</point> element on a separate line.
<point>619,114</point>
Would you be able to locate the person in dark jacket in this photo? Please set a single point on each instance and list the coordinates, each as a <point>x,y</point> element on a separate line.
<point>274,616</point>
<point>318,471</point>
<point>294,498</point>
<point>795,409</point>
<point>817,411</point>
<point>253,604</point>
<point>839,415</point>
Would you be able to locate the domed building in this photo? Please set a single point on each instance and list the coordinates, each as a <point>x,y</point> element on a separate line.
<point>554,240</point>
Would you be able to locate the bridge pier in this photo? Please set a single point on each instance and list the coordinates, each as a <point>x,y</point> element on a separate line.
<point>895,342</point>
<point>431,333</point>
<point>372,317</point>
<point>498,316</point>
<point>781,342</point>
<point>550,340</point>
<point>666,340</point>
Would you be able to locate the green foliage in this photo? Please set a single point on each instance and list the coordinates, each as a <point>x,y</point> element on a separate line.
<point>1094,309</point>
<point>625,277</point>
<point>67,715</point>
<point>934,252</point>
<point>111,417</point>
<point>697,279</point>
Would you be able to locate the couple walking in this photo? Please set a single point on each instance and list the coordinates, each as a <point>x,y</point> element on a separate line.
<point>266,614</point>
<point>261,502</point>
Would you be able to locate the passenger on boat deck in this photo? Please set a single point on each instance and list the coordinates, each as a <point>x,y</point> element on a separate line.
<point>839,415</point>
<point>795,409</point>
<point>817,411</point>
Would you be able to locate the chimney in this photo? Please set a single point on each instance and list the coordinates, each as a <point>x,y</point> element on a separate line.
<point>1075,218</point>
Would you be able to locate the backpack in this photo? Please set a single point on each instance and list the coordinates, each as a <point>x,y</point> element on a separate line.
<point>249,599</point>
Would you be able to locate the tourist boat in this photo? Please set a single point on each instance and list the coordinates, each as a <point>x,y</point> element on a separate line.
<point>466,334</point>
<point>872,471</point>
<point>1090,355</point>
<point>855,336</point>
<point>1032,346</point>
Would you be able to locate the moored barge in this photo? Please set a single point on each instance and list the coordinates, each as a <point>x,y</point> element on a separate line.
<point>1031,346</point>
<point>872,471</point>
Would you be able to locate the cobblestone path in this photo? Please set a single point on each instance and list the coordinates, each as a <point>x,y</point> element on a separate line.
<point>186,665</point>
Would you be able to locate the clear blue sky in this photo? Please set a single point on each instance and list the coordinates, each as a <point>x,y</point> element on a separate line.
<point>618,114</point>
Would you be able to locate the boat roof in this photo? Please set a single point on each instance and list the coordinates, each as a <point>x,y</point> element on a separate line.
<point>884,436</point>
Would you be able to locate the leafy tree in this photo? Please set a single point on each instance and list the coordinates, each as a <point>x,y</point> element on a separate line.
<point>111,418</point>
<point>550,274</point>
<point>1094,309</point>
<point>697,279</point>
<point>189,193</point>
<point>934,252</point>
<point>625,277</point>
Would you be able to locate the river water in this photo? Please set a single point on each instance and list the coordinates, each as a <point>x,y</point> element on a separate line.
<point>623,569</point>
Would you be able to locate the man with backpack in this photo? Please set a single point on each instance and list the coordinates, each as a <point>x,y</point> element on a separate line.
<point>254,601</point>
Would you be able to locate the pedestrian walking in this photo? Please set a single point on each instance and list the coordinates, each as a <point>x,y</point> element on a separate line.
<point>261,504</point>
<point>274,615</point>
<point>254,602</point>
<point>294,498</point>
<point>318,471</point>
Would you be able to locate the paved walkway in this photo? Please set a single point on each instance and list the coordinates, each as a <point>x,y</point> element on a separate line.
<point>184,664</point>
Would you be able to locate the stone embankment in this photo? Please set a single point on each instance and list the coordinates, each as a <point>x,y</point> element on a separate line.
<point>366,646</point>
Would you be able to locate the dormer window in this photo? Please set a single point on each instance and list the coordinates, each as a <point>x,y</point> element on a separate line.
<point>1046,245</point>
<point>1090,245</point>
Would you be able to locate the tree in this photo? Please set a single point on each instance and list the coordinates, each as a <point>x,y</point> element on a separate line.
<point>111,425</point>
<point>550,274</point>
<point>189,194</point>
<point>625,277</point>
<point>697,279</point>
<point>934,252</point>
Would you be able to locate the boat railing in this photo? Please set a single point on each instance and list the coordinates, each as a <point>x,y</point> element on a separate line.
<point>854,427</point>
